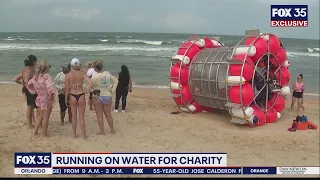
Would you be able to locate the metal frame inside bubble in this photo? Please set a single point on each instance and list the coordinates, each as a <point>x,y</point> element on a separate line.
<point>255,67</point>
<point>266,80</point>
<point>193,40</point>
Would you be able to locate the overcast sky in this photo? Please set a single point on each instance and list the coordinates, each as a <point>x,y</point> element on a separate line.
<point>230,17</point>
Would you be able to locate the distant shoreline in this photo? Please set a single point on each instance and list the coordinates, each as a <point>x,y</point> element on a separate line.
<point>159,87</point>
<point>200,34</point>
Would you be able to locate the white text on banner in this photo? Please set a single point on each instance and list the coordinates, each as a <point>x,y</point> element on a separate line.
<point>32,170</point>
<point>139,160</point>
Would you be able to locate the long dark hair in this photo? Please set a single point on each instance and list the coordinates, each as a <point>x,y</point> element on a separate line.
<point>124,74</point>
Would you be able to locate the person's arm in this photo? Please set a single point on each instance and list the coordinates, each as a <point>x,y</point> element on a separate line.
<point>26,75</point>
<point>115,82</point>
<point>30,87</point>
<point>293,87</point>
<point>66,88</point>
<point>50,88</point>
<point>56,85</point>
<point>89,83</point>
<point>17,79</point>
<point>130,84</point>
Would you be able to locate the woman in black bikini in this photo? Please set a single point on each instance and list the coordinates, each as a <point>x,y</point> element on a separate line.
<point>74,87</point>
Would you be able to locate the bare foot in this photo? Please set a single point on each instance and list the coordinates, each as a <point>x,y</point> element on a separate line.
<point>74,136</point>
<point>84,137</point>
<point>36,133</point>
<point>112,132</point>
<point>46,135</point>
<point>100,133</point>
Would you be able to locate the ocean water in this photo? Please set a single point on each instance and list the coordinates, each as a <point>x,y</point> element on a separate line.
<point>146,55</point>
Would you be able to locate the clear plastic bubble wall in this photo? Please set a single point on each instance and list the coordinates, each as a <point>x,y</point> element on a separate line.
<point>249,80</point>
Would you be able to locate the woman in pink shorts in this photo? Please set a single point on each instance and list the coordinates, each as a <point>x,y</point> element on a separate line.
<point>42,85</point>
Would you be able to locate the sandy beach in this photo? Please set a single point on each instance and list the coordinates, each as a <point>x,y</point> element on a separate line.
<point>148,126</point>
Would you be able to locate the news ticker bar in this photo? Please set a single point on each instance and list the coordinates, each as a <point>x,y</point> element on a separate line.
<point>180,171</point>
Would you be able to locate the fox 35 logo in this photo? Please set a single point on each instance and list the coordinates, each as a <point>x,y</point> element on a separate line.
<point>289,12</point>
<point>289,15</point>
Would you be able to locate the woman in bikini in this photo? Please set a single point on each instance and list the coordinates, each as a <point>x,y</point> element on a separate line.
<point>104,84</point>
<point>42,85</point>
<point>74,88</point>
<point>298,88</point>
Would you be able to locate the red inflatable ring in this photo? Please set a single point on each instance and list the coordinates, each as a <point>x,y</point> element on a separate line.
<point>174,74</point>
<point>247,94</point>
<point>261,47</point>
<point>279,105</point>
<point>235,69</point>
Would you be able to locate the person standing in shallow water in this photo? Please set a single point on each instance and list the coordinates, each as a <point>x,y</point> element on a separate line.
<point>59,85</point>
<point>124,86</point>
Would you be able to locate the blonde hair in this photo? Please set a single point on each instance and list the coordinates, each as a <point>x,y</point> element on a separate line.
<point>43,68</point>
<point>98,64</point>
<point>88,65</point>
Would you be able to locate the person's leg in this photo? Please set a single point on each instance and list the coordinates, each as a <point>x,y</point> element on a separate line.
<point>70,115</point>
<point>38,114</point>
<point>73,106</point>
<point>63,107</point>
<point>33,116</point>
<point>25,97</point>
<point>302,103</point>
<point>299,105</point>
<point>45,122</point>
<point>118,96</point>
<point>107,113</point>
<point>124,99</point>
<point>99,112</point>
<point>90,101</point>
<point>293,101</point>
<point>82,109</point>
<point>38,120</point>
<point>29,116</point>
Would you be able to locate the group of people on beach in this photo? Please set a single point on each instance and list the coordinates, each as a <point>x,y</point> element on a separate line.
<point>40,92</point>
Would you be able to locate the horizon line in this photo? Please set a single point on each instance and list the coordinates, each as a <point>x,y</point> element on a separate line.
<point>139,33</point>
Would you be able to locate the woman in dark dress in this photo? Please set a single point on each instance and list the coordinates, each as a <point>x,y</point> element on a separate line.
<point>124,86</point>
